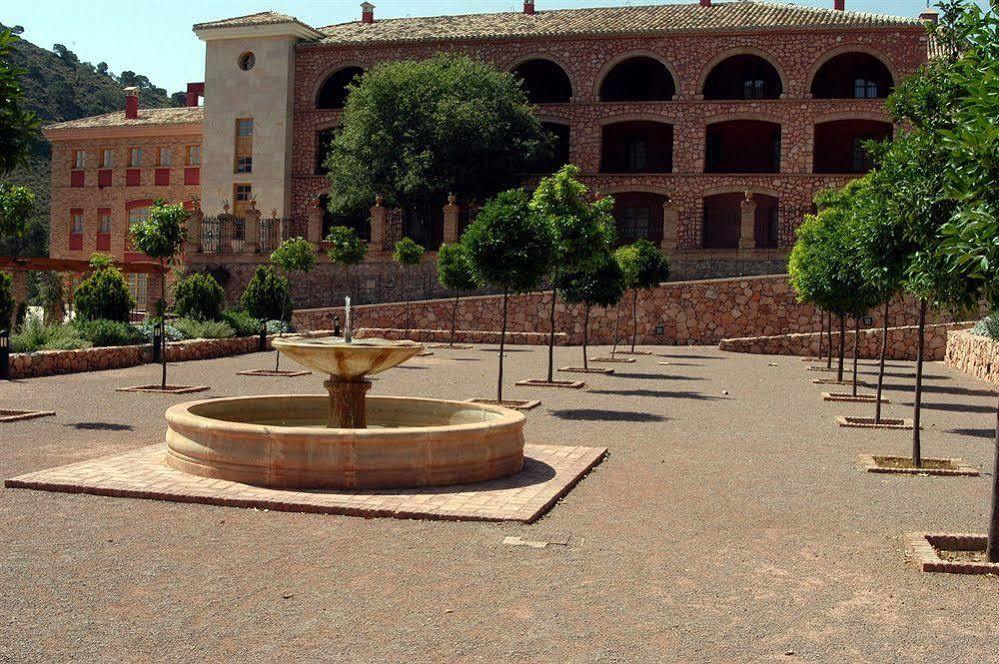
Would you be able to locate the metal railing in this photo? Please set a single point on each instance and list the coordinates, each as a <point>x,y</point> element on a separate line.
<point>275,231</point>
<point>224,234</point>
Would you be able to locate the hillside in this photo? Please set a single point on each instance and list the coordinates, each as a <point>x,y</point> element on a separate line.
<point>58,87</point>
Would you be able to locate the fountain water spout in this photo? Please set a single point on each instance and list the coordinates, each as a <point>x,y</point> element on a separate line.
<point>348,332</point>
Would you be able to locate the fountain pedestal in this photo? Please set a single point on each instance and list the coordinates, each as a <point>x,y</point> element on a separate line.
<point>347,402</point>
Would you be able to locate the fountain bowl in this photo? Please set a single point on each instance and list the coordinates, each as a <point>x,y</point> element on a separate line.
<point>347,360</point>
<point>281,441</point>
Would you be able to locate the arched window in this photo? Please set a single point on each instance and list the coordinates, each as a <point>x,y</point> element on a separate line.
<point>852,76</point>
<point>742,146</point>
<point>743,77</point>
<point>639,215</point>
<point>638,79</point>
<point>637,147</point>
<point>544,82</point>
<point>333,94</point>
<point>839,145</point>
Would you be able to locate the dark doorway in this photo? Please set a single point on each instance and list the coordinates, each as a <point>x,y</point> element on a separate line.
<point>638,79</point>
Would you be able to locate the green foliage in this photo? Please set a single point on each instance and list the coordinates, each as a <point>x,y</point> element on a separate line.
<point>198,296</point>
<point>103,295</point>
<point>454,271</point>
<point>509,245</point>
<point>295,255</point>
<point>162,234</point>
<point>988,326</point>
<point>408,252</point>
<point>34,335</point>
<point>202,329</point>
<point>582,230</point>
<point>19,127</point>
<point>600,286</point>
<point>6,299</point>
<point>17,204</point>
<point>642,265</point>
<point>148,329</point>
<point>267,296</point>
<point>102,332</point>
<point>345,248</point>
<point>416,131</point>
<point>242,323</point>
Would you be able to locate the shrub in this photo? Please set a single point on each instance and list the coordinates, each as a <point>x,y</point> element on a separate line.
<point>6,299</point>
<point>198,296</point>
<point>108,332</point>
<point>35,335</point>
<point>148,328</point>
<point>196,329</point>
<point>267,295</point>
<point>988,326</point>
<point>242,323</point>
<point>104,294</point>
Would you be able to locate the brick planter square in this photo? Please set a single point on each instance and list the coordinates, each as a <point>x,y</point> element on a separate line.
<point>21,415</point>
<point>873,463</point>
<point>869,423</point>
<point>619,360</point>
<point>849,397</point>
<point>951,553</point>
<point>822,369</point>
<point>812,359</point>
<point>584,370</point>
<point>270,373</point>
<point>513,404</point>
<point>454,347</point>
<point>425,353</point>
<point>833,381</point>
<point>565,384</point>
<point>170,389</point>
<point>637,352</point>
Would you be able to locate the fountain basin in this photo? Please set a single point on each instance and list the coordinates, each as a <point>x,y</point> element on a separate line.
<point>283,442</point>
<point>348,360</point>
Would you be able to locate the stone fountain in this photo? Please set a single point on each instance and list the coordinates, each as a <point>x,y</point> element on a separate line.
<point>346,439</point>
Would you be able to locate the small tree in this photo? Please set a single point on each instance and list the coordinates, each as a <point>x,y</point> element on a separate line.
<point>582,231</point>
<point>601,286</point>
<point>104,294</point>
<point>293,255</point>
<point>267,295</point>
<point>18,126</point>
<point>455,273</point>
<point>509,246</point>
<point>408,254</point>
<point>7,303</point>
<point>346,250</point>
<point>643,267</point>
<point>198,296</point>
<point>161,236</point>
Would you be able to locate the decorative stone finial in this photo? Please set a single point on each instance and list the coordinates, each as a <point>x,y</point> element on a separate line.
<point>452,199</point>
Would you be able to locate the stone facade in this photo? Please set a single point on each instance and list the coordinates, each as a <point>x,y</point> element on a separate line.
<point>973,354</point>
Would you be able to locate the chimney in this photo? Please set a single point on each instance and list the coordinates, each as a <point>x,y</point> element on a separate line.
<point>705,3</point>
<point>195,91</point>
<point>367,12</point>
<point>528,6</point>
<point>930,16</point>
<point>839,5</point>
<point>131,103</point>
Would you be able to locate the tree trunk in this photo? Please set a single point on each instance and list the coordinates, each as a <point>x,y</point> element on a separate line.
<point>617,327</point>
<point>454,317</point>
<point>822,325</point>
<point>586,328</point>
<point>917,456</point>
<point>499,382</point>
<point>856,344</point>
<point>992,550</point>
<point>881,367</point>
<point>163,344</point>
<point>551,337</point>
<point>634,320</point>
<point>829,355</point>
<point>842,347</point>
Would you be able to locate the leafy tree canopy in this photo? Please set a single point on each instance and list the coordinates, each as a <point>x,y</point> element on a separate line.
<point>295,255</point>
<point>103,295</point>
<point>345,248</point>
<point>642,265</point>
<point>414,131</point>
<point>408,252</point>
<point>16,207</point>
<point>199,296</point>
<point>162,234</point>
<point>19,127</point>
<point>602,286</point>
<point>268,295</point>
<point>454,271</point>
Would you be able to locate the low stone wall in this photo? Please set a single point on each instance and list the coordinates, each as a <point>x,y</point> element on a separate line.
<point>683,312</point>
<point>973,354</point>
<point>902,342</point>
<point>462,336</point>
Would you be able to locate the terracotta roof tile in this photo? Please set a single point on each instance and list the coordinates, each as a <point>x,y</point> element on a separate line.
<point>147,116</point>
<point>260,18</point>
<point>748,15</point>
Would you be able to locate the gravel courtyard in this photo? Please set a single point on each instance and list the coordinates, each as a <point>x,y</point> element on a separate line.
<point>729,522</point>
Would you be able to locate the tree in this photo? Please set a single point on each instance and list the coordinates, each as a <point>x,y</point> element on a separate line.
<point>643,267</point>
<point>161,236</point>
<point>293,255</point>
<point>582,231</point>
<point>103,295</point>
<point>408,254</point>
<point>198,296</point>
<point>346,250</point>
<point>414,131</point>
<point>18,127</point>
<point>455,273</point>
<point>267,295</point>
<point>17,204</point>
<point>509,246</point>
<point>598,286</point>
<point>7,303</point>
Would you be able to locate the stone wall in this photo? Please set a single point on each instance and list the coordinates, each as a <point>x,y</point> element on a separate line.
<point>973,354</point>
<point>902,342</point>
<point>688,312</point>
<point>462,336</point>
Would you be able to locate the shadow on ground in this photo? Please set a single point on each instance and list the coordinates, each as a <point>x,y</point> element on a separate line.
<point>597,415</point>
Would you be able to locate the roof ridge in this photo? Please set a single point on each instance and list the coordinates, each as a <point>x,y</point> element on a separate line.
<point>821,10</point>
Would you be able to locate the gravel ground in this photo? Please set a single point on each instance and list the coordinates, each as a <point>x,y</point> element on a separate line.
<point>729,523</point>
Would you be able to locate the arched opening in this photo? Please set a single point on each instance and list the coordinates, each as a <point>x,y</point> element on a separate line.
<point>544,82</point>
<point>852,76</point>
<point>359,221</point>
<point>723,221</point>
<point>743,77</point>
<point>637,147</point>
<point>839,145</point>
<point>742,146</point>
<point>333,93</point>
<point>559,156</point>
<point>638,79</point>
<point>324,142</point>
<point>639,215</point>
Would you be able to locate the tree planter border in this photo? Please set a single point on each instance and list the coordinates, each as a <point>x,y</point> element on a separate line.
<point>616,360</point>
<point>823,369</point>
<point>170,389</point>
<point>926,547</point>
<point>454,347</point>
<point>960,467</point>
<point>850,421</point>
<point>850,398</point>
<point>607,371</point>
<point>634,352</point>
<point>7,415</point>
<point>513,404</point>
<point>562,384</point>
<point>271,373</point>
<point>833,381</point>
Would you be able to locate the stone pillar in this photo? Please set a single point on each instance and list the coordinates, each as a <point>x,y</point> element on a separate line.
<point>194,231</point>
<point>671,224</point>
<point>251,238</point>
<point>747,238</point>
<point>451,220</point>
<point>314,223</point>
<point>378,222</point>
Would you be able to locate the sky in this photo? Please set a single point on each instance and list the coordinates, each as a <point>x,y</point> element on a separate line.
<point>154,38</point>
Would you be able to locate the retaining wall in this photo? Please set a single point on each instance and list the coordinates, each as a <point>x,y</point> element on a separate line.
<point>973,354</point>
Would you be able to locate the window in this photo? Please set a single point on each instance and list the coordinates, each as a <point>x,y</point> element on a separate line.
<point>137,287</point>
<point>634,224</point>
<point>242,195</point>
<point>244,146</point>
<point>244,164</point>
<point>163,157</point>
<point>244,128</point>
<point>135,157</point>
<point>865,89</point>
<point>246,61</point>
<point>638,154</point>
<point>137,215</point>
<point>105,221</point>
<point>107,158</point>
<point>79,159</point>
<point>76,222</point>
<point>755,89</point>
<point>861,161</point>
<point>193,155</point>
